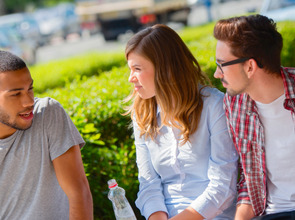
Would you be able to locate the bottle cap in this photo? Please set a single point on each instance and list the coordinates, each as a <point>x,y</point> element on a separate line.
<point>112,183</point>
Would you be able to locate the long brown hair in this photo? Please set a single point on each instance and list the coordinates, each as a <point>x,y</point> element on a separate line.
<point>178,79</point>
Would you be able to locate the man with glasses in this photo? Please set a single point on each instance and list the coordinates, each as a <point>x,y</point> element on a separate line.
<point>260,109</point>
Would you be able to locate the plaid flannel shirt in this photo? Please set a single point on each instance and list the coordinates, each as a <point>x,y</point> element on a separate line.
<point>247,133</point>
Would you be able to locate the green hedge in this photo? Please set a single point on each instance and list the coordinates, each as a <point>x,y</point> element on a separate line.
<point>287,29</point>
<point>57,73</point>
<point>95,106</point>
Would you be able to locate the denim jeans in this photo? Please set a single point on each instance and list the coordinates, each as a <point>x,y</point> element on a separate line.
<point>277,216</point>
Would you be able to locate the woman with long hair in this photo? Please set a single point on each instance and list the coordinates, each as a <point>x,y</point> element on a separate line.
<point>186,160</point>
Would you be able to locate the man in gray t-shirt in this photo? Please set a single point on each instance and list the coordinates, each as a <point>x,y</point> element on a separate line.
<point>41,170</point>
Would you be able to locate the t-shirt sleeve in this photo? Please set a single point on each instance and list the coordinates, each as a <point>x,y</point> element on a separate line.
<point>61,132</point>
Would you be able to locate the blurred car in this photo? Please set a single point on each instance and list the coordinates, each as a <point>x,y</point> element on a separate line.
<point>24,24</point>
<point>12,41</point>
<point>58,21</point>
<point>207,2</point>
<point>278,10</point>
<point>7,45</point>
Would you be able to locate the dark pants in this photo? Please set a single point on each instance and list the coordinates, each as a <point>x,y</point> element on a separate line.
<point>277,216</point>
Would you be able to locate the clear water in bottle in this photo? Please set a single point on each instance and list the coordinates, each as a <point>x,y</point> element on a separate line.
<point>121,206</point>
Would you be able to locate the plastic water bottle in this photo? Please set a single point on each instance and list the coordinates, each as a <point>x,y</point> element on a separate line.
<point>122,208</point>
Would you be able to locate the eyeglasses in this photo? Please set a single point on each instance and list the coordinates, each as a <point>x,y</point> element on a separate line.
<point>232,62</point>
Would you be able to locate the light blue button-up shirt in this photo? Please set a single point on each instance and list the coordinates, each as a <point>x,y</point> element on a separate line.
<point>201,174</point>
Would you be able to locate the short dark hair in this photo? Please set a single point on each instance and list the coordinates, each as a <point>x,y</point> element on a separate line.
<point>253,36</point>
<point>10,62</point>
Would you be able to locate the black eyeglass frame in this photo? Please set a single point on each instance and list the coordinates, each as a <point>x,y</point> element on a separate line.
<point>232,62</point>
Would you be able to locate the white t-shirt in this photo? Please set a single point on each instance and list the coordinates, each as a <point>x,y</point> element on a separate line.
<point>279,128</point>
<point>29,189</point>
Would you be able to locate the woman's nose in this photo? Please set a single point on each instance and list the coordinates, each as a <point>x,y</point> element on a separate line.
<point>132,78</point>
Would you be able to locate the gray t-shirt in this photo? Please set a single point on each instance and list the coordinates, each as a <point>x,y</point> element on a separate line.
<point>29,189</point>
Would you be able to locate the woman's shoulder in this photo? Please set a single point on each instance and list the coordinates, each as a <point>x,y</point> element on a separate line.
<point>212,95</point>
<point>212,104</point>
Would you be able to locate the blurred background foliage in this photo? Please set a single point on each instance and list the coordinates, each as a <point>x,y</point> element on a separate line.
<point>13,6</point>
<point>92,88</point>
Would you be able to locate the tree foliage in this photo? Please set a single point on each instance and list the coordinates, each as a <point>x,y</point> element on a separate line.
<point>13,6</point>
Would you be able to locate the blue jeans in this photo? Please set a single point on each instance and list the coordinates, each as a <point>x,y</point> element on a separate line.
<point>277,216</point>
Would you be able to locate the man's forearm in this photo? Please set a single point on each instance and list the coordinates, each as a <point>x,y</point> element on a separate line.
<point>244,212</point>
<point>71,177</point>
<point>81,209</point>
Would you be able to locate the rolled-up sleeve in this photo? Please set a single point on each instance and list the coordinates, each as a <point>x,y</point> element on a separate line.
<point>222,169</point>
<point>150,197</point>
<point>243,196</point>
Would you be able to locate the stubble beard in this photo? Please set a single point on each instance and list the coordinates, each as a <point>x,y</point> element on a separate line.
<point>242,89</point>
<point>5,119</point>
<point>232,92</point>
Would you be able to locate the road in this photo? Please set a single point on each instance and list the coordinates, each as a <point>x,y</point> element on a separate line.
<point>75,45</point>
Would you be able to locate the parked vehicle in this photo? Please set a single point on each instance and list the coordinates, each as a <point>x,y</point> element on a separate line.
<point>58,21</point>
<point>24,24</point>
<point>12,41</point>
<point>114,17</point>
<point>279,10</point>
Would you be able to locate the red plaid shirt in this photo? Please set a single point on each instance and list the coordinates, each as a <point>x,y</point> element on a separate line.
<point>247,133</point>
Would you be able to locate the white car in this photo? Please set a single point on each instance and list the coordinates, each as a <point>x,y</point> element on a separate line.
<point>279,10</point>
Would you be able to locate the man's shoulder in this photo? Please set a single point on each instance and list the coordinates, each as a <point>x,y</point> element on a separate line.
<point>212,101</point>
<point>290,70</point>
<point>235,101</point>
<point>44,103</point>
<point>211,94</point>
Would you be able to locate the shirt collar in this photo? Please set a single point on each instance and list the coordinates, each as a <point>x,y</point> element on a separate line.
<point>288,75</point>
<point>158,110</point>
<point>250,105</point>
